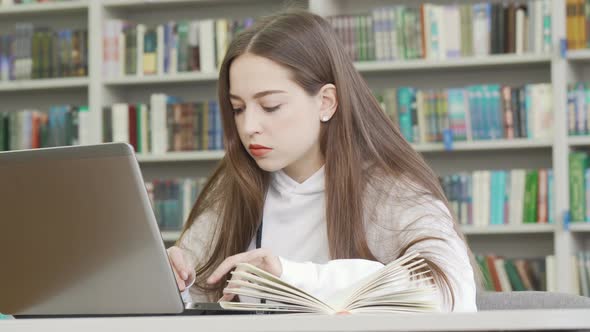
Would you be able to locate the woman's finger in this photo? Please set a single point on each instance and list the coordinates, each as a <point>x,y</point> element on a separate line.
<point>178,263</point>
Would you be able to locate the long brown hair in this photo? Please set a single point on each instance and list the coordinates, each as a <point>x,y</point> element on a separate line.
<point>359,132</point>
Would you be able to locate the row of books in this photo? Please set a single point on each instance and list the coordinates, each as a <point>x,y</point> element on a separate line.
<point>30,129</point>
<point>579,186</point>
<point>166,125</point>
<point>582,267</point>
<point>172,47</point>
<point>435,31</point>
<point>578,108</point>
<point>477,112</point>
<point>514,197</point>
<point>26,2</point>
<point>506,275</point>
<point>577,24</point>
<point>39,52</point>
<point>173,199</point>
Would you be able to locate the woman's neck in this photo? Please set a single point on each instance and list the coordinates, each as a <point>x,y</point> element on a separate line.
<point>302,173</point>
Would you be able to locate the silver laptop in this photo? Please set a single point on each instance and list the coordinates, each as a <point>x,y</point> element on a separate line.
<point>78,236</point>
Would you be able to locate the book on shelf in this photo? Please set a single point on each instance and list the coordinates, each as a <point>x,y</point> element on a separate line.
<point>514,274</point>
<point>34,52</point>
<point>173,47</point>
<point>29,129</point>
<point>577,24</point>
<point>173,199</point>
<point>476,112</point>
<point>404,285</point>
<point>581,267</point>
<point>579,186</point>
<point>489,198</point>
<point>446,31</point>
<point>26,2</point>
<point>166,125</point>
<point>578,109</point>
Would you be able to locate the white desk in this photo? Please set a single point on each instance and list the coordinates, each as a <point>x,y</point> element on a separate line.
<point>516,320</point>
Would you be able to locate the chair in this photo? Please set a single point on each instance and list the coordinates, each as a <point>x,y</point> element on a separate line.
<point>529,300</point>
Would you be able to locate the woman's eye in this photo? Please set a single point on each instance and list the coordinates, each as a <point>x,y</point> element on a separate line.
<point>271,109</point>
<point>237,110</point>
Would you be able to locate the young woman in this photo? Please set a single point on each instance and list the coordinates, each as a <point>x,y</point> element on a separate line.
<point>315,168</point>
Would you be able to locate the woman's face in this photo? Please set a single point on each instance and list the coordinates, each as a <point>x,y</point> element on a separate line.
<point>277,121</point>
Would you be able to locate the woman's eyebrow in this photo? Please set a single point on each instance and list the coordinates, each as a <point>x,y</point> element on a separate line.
<point>259,94</point>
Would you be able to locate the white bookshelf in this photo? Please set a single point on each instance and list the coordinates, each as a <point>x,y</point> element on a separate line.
<point>578,55</point>
<point>532,229</point>
<point>580,141</point>
<point>130,4</point>
<point>483,145</point>
<point>180,156</point>
<point>45,84</point>
<point>493,61</point>
<point>170,236</point>
<point>509,229</point>
<point>162,79</point>
<point>44,8</point>
<point>580,227</point>
<point>502,69</point>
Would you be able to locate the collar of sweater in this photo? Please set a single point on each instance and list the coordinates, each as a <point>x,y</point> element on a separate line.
<point>284,183</point>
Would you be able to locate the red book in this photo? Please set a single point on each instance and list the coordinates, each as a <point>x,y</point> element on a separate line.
<point>493,273</point>
<point>133,126</point>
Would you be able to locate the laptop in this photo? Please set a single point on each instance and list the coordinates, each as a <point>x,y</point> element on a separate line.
<point>78,237</point>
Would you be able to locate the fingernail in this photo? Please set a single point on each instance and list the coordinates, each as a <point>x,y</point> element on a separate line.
<point>183,275</point>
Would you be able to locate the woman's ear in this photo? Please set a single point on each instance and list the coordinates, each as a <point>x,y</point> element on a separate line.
<point>329,102</point>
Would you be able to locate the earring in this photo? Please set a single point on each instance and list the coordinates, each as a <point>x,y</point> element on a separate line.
<point>325,118</point>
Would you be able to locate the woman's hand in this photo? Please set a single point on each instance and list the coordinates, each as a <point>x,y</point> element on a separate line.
<point>261,258</point>
<point>183,269</point>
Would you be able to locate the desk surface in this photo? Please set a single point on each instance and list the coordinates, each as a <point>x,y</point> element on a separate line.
<point>515,320</point>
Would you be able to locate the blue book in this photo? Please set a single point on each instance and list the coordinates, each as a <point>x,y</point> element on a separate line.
<point>484,119</point>
<point>527,108</point>
<point>405,112</point>
<point>499,118</point>
<point>474,110</point>
<point>494,198</point>
<point>501,187</point>
<point>571,112</point>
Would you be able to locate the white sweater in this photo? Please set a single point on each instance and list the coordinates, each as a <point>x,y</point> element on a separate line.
<point>294,229</point>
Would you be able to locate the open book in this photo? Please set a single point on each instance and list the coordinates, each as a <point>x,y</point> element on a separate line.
<point>404,285</point>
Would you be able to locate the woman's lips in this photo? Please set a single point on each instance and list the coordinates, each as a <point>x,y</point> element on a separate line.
<point>259,150</point>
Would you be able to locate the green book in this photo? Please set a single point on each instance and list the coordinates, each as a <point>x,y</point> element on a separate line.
<point>360,38</point>
<point>131,51</point>
<point>182,46</point>
<point>530,196</point>
<point>577,166</point>
<point>487,277</point>
<point>3,132</point>
<point>513,276</point>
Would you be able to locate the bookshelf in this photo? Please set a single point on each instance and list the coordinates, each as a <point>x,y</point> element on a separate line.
<point>98,91</point>
<point>180,156</point>
<point>161,79</point>
<point>45,84</point>
<point>495,61</point>
<point>579,227</point>
<point>55,8</point>
<point>508,229</point>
